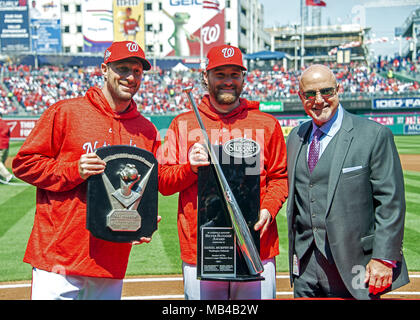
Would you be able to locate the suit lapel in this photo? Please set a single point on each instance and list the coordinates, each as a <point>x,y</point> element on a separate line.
<point>297,143</point>
<point>344,140</point>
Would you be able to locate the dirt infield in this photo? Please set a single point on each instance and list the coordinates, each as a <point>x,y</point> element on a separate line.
<point>410,162</point>
<point>170,287</point>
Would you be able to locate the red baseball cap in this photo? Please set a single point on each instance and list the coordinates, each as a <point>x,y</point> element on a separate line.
<point>224,55</point>
<point>120,50</point>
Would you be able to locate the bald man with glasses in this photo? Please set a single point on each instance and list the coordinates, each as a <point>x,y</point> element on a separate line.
<point>346,204</point>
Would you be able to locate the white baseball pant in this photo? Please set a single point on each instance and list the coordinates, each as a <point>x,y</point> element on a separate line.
<point>55,286</point>
<point>195,289</point>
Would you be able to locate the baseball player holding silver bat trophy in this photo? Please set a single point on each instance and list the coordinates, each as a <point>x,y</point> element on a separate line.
<point>222,117</point>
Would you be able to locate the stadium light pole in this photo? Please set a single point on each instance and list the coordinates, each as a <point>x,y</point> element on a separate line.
<point>155,45</point>
<point>295,38</point>
<point>34,43</point>
<point>302,27</point>
<point>414,36</point>
<point>202,63</point>
<point>251,22</point>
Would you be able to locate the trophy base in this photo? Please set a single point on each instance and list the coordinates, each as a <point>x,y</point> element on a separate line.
<point>239,278</point>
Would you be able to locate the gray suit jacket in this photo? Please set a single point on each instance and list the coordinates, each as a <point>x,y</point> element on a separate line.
<point>365,207</point>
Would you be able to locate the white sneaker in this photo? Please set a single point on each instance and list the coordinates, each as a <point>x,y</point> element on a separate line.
<point>9,178</point>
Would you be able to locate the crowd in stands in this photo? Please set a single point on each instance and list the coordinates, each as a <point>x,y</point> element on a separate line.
<point>6,102</point>
<point>161,93</point>
<point>365,81</point>
<point>400,65</point>
<point>36,90</point>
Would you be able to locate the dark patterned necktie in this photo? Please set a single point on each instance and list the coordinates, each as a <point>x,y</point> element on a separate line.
<point>314,150</point>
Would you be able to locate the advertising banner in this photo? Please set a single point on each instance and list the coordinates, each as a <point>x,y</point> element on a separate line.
<point>396,103</point>
<point>287,123</point>
<point>411,129</point>
<point>45,25</point>
<point>97,25</point>
<point>404,124</point>
<point>186,20</point>
<point>399,123</point>
<point>129,21</point>
<point>14,26</point>
<point>271,106</point>
<point>20,128</point>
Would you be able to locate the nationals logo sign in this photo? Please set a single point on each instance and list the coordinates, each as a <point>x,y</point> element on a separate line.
<point>191,27</point>
<point>211,34</point>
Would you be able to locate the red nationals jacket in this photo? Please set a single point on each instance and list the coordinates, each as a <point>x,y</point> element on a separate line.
<point>49,158</point>
<point>176,174</point>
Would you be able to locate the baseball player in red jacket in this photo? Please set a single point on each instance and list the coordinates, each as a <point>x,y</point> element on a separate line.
<point>58,157</point>
<point>226,116</point>
<point>4,150</point>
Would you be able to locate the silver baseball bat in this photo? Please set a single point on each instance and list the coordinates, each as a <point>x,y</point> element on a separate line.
<point>240,227</point>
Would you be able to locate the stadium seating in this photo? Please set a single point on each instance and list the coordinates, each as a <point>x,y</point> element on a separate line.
<point>161,93</point>
<point>6,103</point>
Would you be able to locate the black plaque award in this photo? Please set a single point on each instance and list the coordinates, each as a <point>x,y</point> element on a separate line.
<point>122,202</point>
<point>220,257</point>
<point>218,254</point>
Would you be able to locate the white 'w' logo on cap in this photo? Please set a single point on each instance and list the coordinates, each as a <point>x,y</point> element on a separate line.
<point>132,47</point>
<point>228,52</point>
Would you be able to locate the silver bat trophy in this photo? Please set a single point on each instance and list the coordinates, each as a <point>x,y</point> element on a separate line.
<point>240,227</point>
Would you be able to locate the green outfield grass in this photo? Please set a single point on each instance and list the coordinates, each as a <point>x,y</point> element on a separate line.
<point>161,256</point>
<point>408,144</point>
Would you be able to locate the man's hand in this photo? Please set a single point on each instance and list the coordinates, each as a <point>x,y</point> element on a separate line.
<point>264,221</point>
<point>378,275</point>
<point>90,164</point>
<point>198,157</point>
<point>145,239</point>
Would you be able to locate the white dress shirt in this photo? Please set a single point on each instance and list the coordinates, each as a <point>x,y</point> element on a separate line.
<point>329,130</point>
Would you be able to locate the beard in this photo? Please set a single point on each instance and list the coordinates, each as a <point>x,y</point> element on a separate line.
<point>225,97</point>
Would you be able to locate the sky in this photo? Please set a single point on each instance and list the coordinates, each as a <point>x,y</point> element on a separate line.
<point>382,20</point>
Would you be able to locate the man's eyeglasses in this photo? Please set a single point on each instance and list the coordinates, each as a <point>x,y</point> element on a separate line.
<point>325,93</point>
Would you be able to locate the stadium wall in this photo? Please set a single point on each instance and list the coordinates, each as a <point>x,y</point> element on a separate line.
<point>400,123</point>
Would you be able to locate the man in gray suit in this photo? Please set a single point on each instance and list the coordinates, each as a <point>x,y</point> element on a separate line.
<point>346,204</point>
